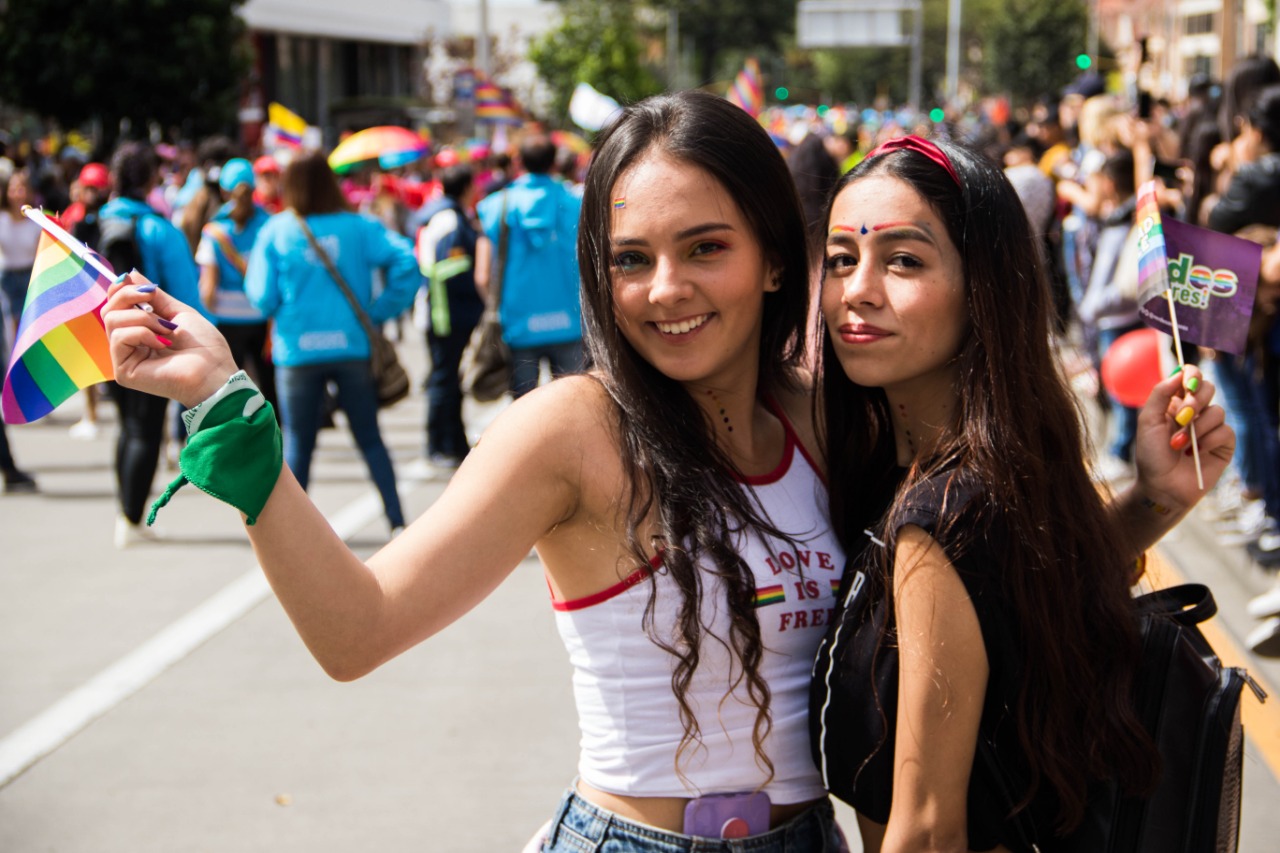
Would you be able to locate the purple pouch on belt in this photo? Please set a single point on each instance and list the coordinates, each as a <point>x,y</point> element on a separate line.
<point>727,815</point>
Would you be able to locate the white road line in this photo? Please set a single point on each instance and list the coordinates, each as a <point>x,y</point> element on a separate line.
<point>69,715</point>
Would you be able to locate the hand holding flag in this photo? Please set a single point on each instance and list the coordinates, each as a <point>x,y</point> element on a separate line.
<point>1195,284</point>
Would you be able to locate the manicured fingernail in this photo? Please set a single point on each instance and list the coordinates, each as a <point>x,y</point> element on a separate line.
<point>1176,370</point>
<point>120,278</point>
<point>1179,440</point>
<point>168,324</point>
<point>145,288</point>
<point>145,308</point>
<point>1193,384</point>
<point>162,339</point>
<point>1185,416</point>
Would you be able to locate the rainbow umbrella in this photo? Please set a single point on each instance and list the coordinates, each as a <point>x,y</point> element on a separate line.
<point>389,145</point>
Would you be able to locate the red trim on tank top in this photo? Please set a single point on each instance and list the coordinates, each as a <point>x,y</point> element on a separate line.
<point>606,594</point>
<point>791,431</point>
<point>788,452</point>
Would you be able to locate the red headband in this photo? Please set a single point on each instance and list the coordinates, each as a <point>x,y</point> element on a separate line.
<point>920,146</point>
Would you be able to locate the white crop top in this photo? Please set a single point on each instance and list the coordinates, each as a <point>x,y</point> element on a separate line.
<point>627,711</point>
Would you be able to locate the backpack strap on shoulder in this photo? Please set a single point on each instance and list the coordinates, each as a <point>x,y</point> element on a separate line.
<point>1189,603</point>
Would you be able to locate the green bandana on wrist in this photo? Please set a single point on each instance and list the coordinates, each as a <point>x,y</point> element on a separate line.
<point>234,452</point>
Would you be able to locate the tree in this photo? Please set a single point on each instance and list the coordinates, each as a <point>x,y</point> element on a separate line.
<point>739,27</point>
<point>1029,47</point>
<point>599,43</point>
<point>179,63</point>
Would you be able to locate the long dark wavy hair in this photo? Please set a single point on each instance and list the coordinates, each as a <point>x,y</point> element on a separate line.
<point>1016,435</point>
<point>680,478</point>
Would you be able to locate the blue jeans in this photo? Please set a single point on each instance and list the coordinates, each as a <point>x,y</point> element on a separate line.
<point>13,284</point>
<point>301,391</point>
<point>527,361</point>
<point>582,827</point>
<point>1126,417</point>
<point>1257,446</point>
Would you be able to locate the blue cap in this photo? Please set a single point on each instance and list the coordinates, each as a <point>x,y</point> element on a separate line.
<point>234,173</point>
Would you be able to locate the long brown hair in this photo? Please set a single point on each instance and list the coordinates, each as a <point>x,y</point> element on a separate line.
<point>1016,436</point>
<point>310,186</point>
<point>678,475</point>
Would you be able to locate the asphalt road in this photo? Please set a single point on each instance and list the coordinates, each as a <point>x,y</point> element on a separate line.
<point>157,699</point>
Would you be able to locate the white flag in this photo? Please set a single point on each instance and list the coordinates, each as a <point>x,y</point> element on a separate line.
<point>591,110</point>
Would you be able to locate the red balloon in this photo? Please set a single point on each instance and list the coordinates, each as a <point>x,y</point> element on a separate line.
<point>1131,367</point>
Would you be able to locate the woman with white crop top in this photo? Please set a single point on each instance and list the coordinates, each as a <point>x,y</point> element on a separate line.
<point>673,495</point>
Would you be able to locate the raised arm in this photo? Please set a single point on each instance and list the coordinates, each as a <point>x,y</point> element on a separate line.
<point>512,489</point>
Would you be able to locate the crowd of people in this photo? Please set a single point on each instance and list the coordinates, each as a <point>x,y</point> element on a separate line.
<point>705,528</point>
<point>787,556</point>
<point>242,241</point>
<point>1077,160</point>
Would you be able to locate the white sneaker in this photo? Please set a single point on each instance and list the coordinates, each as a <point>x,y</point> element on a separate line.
<point>1252,523</point>
<point>1265,605</point>
<point>129,534</point>
<point>1265,639</point>
<point>83,430</point>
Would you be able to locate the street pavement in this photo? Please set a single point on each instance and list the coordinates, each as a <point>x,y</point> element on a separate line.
<point>157,698</point>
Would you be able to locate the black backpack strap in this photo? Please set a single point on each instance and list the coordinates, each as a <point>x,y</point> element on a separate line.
<point>1189,604</point>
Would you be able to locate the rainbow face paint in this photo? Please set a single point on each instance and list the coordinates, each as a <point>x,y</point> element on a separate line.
<point>619,203</point>
<point>849,229</point>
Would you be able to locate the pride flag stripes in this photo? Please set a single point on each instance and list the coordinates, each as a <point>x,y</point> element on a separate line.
<point>766,595</point>
<point>494,104</point>
<point>748,88</point>
<point>61,345</point>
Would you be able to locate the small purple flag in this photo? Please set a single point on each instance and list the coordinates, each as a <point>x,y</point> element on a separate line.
<point>1213,277</point>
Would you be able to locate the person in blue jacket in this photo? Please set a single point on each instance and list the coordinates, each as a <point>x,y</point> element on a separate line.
<point>317,337</point>
<point>223,256</point>
<point>164,258</point>
<point>540,312</point>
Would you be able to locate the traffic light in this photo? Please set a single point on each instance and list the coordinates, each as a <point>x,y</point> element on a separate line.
<point>1084,62</point>
<point>937,114</point>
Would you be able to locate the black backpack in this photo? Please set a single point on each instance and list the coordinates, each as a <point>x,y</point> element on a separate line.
<point>1190,703</point>
<point>117,243</point>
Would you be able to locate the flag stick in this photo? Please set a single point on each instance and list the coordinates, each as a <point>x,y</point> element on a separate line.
<point>60,234</point>
<point>1177,348</point>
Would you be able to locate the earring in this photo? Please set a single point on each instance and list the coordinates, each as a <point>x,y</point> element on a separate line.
<point>775,284</point>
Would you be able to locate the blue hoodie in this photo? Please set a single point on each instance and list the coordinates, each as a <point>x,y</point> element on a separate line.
<point>314,322</point>
<point>540,305</point>
<point>166,256</point>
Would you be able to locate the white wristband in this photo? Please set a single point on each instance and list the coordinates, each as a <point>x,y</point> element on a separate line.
<point>239,381</point>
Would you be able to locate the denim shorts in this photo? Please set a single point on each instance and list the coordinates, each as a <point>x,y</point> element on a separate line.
<point>583,827</point>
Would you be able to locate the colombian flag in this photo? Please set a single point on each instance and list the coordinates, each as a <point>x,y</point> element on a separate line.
<point>288,125</point>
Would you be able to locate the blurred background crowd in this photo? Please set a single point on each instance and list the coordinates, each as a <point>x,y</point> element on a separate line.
<point>1081,102</point>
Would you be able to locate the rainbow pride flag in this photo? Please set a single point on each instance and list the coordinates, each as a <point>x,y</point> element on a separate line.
<point>61,345</point>
<point>1211,278</point>
<point>494,104</point>
<point>747,90</point>
<point>766,595</point>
